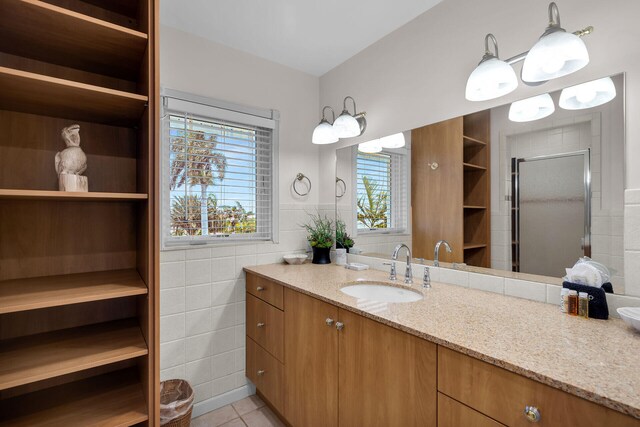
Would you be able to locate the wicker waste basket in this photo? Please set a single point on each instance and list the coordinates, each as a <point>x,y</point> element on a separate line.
<point>176,403</point>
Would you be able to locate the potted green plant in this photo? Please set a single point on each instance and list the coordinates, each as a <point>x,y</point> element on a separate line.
<point>320,237</point>
<point>343,240</point>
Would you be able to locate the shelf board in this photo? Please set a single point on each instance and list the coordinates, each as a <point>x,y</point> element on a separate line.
<point>34,358</point>
<point>472,142</point>
<point>69,196</point>
<point>474,207</point>
<point>468,246</point>
<point>42,31</point>
<point>53,291</point>
<point>50,96</point>
<point>114,399</point>
<point>472,167</point>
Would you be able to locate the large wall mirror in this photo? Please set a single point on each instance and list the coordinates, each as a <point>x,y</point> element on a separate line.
<point>520,190</point>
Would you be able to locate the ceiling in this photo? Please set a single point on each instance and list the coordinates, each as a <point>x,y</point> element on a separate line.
<point>309,35</point>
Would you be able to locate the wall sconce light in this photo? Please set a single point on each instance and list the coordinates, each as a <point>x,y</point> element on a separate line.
<point>588,95</point>
<point>556,54</point>
<point>492,77</point>
<point>393,141</point>
<point>530,109</point>
<point>346,124</point>
<point>370,147</point>
<point>325,133</point>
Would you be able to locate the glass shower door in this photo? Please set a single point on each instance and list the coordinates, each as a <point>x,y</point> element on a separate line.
<point>552,212</point>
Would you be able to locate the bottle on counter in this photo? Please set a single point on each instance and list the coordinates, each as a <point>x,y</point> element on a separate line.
<point>583,304</point>
<point>564,300</point>
<point>573,303</point>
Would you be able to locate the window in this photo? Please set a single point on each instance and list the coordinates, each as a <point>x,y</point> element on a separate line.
<point>381,201</point>
<point>218,181</point>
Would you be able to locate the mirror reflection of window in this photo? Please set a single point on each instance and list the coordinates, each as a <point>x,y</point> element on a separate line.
<point>380,201</point>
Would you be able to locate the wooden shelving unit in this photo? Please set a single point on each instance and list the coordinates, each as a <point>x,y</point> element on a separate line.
<point>477,191</point>
<point>64,195</point>
<point>452,202</point>
<point>53,291</point>
<point>79,271</point>
<point>114,400</point>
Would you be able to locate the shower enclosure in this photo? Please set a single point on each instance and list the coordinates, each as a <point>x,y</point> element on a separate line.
<point>551,212</point>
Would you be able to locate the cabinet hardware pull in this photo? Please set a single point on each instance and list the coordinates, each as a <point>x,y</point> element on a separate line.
<point>259,288</point>
<point>260,324</point>
<point>339,326</point>
<point>532,413</point>
<point>328,321</point>
<point>260,372</point>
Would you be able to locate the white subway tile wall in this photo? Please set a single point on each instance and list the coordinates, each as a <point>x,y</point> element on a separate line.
<point>632,242</point>
<point>202,306</point>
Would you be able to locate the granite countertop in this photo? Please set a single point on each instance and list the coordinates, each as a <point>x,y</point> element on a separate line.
<point>593,359</point>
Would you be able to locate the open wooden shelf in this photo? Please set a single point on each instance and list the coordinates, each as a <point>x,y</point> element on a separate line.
<point>114,399</point>
<point>472,167</point>
<point>53,291</point>
<point>64,37</point>
<point>70,196</point>
<point>474,207</point>
<point>471,142</point>
<point>50,96</point>
<point>468,246</point>
<point>34,358</point>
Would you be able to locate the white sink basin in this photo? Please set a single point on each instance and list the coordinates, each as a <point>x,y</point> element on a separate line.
<point>373,291</point>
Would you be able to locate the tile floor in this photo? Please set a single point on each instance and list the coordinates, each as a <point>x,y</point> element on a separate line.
<point>248,412</point>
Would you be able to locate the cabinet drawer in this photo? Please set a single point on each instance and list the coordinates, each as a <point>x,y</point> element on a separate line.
<point>265,325</point>
<point>266,373</point>
<point>266,290</point>
<point>452,413</point>
<point>503,395</point>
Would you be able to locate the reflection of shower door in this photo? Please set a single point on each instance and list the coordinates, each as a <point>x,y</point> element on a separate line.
<point>551,215</point>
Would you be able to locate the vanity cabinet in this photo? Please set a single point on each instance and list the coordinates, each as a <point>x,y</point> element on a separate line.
<point>503,396</point>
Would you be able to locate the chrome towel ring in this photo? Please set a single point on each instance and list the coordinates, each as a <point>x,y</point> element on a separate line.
<point>340,189</point>
<point>299,177</point>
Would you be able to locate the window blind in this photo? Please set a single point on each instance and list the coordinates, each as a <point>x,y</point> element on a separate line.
<point>381,192</point>
<point>219,172</point>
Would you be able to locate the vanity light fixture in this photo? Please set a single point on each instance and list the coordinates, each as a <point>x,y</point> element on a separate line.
<point>530,109</point>
<point>325,133</point>
<point>370,147</point>
<point>588,95</point>
<point>392,141</point>
<point>556,54</point>
<point>492,77</point>
<point>346,125</point>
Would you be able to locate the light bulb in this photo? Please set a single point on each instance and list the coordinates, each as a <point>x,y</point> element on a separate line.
<point>588,95</point>
<point>370,147</point>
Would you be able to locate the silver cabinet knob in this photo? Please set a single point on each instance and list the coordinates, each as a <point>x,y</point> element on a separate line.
<point>532,413</point>
<point>260,372</point>
<point>260,325</point>
<point>339,326</point>
<point>328,321</point>
<point>259,288</point>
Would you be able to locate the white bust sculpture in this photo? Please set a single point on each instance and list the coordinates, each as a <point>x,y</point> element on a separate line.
<point>71,162</point>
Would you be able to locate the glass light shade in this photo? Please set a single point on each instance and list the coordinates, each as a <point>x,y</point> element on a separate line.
<point>587,95</point>
<point>491,79</point>
<point>346,126</point>
<point>370,147</point>
<point>530,109</point>
<point>324,133</point>
<point>393,141</point>
<point>554,55</point>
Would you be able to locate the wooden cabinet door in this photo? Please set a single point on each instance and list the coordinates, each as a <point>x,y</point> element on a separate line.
<point>311,361</point>
<point>452,413</point>
<point>437,192</point>
<point>387,377</point>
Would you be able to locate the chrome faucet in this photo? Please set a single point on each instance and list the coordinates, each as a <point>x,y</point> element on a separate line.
<point>408,275</point>
<point>436,261</point>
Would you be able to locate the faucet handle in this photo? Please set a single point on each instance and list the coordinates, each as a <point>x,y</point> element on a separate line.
<point>392,273</point>
<point>426,280</point>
